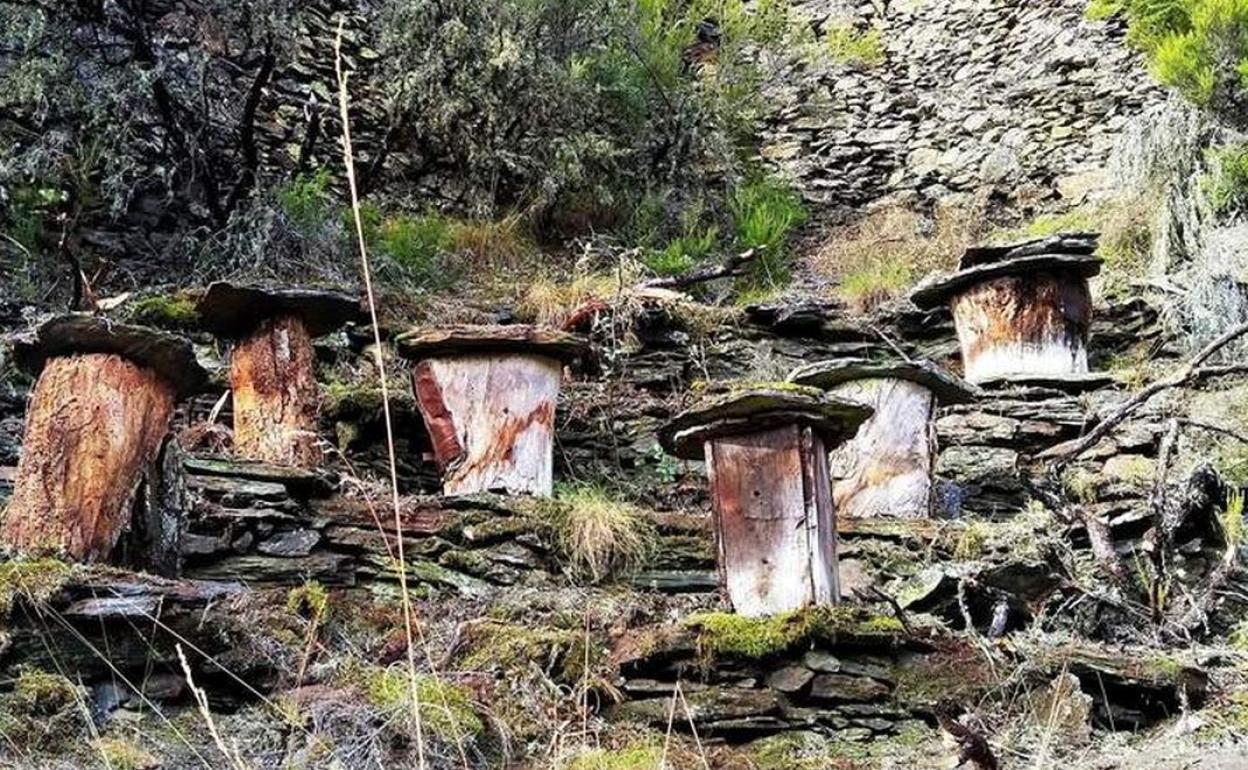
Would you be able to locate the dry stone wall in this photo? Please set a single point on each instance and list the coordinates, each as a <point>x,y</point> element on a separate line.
<point>1024,101</point>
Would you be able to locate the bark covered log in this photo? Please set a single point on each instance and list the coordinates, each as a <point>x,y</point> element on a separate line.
<point>491,420</point>
<point>95,423</point>
<point>276,400</point>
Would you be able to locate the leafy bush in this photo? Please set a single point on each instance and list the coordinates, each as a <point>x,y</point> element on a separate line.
<point>849,47</point>
<point>1199,47</point>
<point>1226,184</point>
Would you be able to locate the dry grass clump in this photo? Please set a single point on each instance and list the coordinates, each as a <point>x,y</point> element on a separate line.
<point>493,243</point>
<point>881,255</point>
<point>599,535</point>
<point>552,302</point>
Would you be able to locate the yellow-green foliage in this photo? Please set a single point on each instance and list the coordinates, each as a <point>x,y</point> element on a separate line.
<point>446,709</point>
<point>310,601</point>
<point>1232,518</point>
<point>176,311</point>
<point>1199,47</point>
<point>124,754</point>
<point>549,302</point>
<point>597,534</point>
<point>765,213</point>
<point>304,199</point>
<point>500,242</point>
<point>635,758</point>
<point>723,634</point>
<point>1082,484</point>
<point>849,47</point>
<point>36,580</point>
<point>878,257</point>
<point>1226,184</point>
<point>1238,636</point>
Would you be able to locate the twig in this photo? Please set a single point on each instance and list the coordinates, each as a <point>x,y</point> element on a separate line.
<point>730,268</point>
<point>1191,371</point>
<point>201,703</point>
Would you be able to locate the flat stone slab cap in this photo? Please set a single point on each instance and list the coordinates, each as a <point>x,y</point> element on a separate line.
<point>1067,383</point>
<point>233,311</point>
<point>750,410</point>
<point>513,338</point>
<point>941,289</point>
<point>825,375</point>
<point>1060,243</point>
<point>169,355</point>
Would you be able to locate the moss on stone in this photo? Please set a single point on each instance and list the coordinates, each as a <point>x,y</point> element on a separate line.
<point>722,634</point>
<point>175,311</point>
<point>124,754</point>
<point>446,709</point>
<point>36,580</point>
<point>44,712</point>
<point>310,601</point>
<point>633,758</point>
<point>497,646</point>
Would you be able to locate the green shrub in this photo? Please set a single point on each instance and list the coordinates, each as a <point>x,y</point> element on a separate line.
<point>304,200</point>
<point>682,253</point>
<point>849,47</point>
<point>1226,184</point>
<point>1199,47</point>
<point>765,212</point>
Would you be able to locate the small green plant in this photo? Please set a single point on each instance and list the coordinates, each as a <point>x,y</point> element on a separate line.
<point>125,754</point>
<point>597,534</point>
<point>847,46</point>
<point>682,253</point>
<point>1226,184</point>
<point>1232,518</point>
<point>765,212</point>
<point>304,199</point>
<point>633,758</point>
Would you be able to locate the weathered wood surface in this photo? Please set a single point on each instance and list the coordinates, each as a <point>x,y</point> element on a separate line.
<point>1034,324</point>
<point>774,526</point>
<point>276,399</point>
<point>886,469</point>
<point>95,423</point>
<point>491,420</point>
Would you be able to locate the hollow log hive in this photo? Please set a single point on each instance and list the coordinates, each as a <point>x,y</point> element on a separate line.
<point>97,418</point>
<point>766,452</point>
<point>1021,311</point>
<point>488,396</point>
<point>273,365</point>
<point>885,470</point>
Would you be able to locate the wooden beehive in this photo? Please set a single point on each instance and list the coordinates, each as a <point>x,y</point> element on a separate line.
<point>1020,311</point>
<point>766,452</point>
<point>272,365</point>
<point>886,469</point>
<point>488,395</point>
<point>98,417</point>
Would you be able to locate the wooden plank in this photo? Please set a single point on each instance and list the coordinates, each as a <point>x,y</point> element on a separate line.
<point>886,469</point>
<point>95,423</point>
<point>1033,324</point>
<point>491,417</point>
<point>767,544</point>
<point>824,559</point>
<point>276,398</point>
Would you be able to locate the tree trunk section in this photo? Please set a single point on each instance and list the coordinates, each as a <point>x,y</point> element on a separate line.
<point>885,471</point>
<point>1024,325</point>
<point>95,423</point>
<point>774,524</point>
<point>491,419</point>
<point>276,400</point>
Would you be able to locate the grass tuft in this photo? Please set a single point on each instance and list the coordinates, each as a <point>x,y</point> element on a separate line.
<point>597,534</point>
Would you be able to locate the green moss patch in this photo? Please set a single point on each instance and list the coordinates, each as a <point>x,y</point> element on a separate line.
<point>722,634</point>
<point>36,580</point>
<point>174,312</point>
<point>446,709</point>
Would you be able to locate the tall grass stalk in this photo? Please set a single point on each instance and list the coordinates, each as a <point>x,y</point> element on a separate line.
<point>349,162</point>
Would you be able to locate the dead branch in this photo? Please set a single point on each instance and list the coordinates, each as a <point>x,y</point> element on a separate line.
<point>730,268</point>
<point>1191,371</point>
